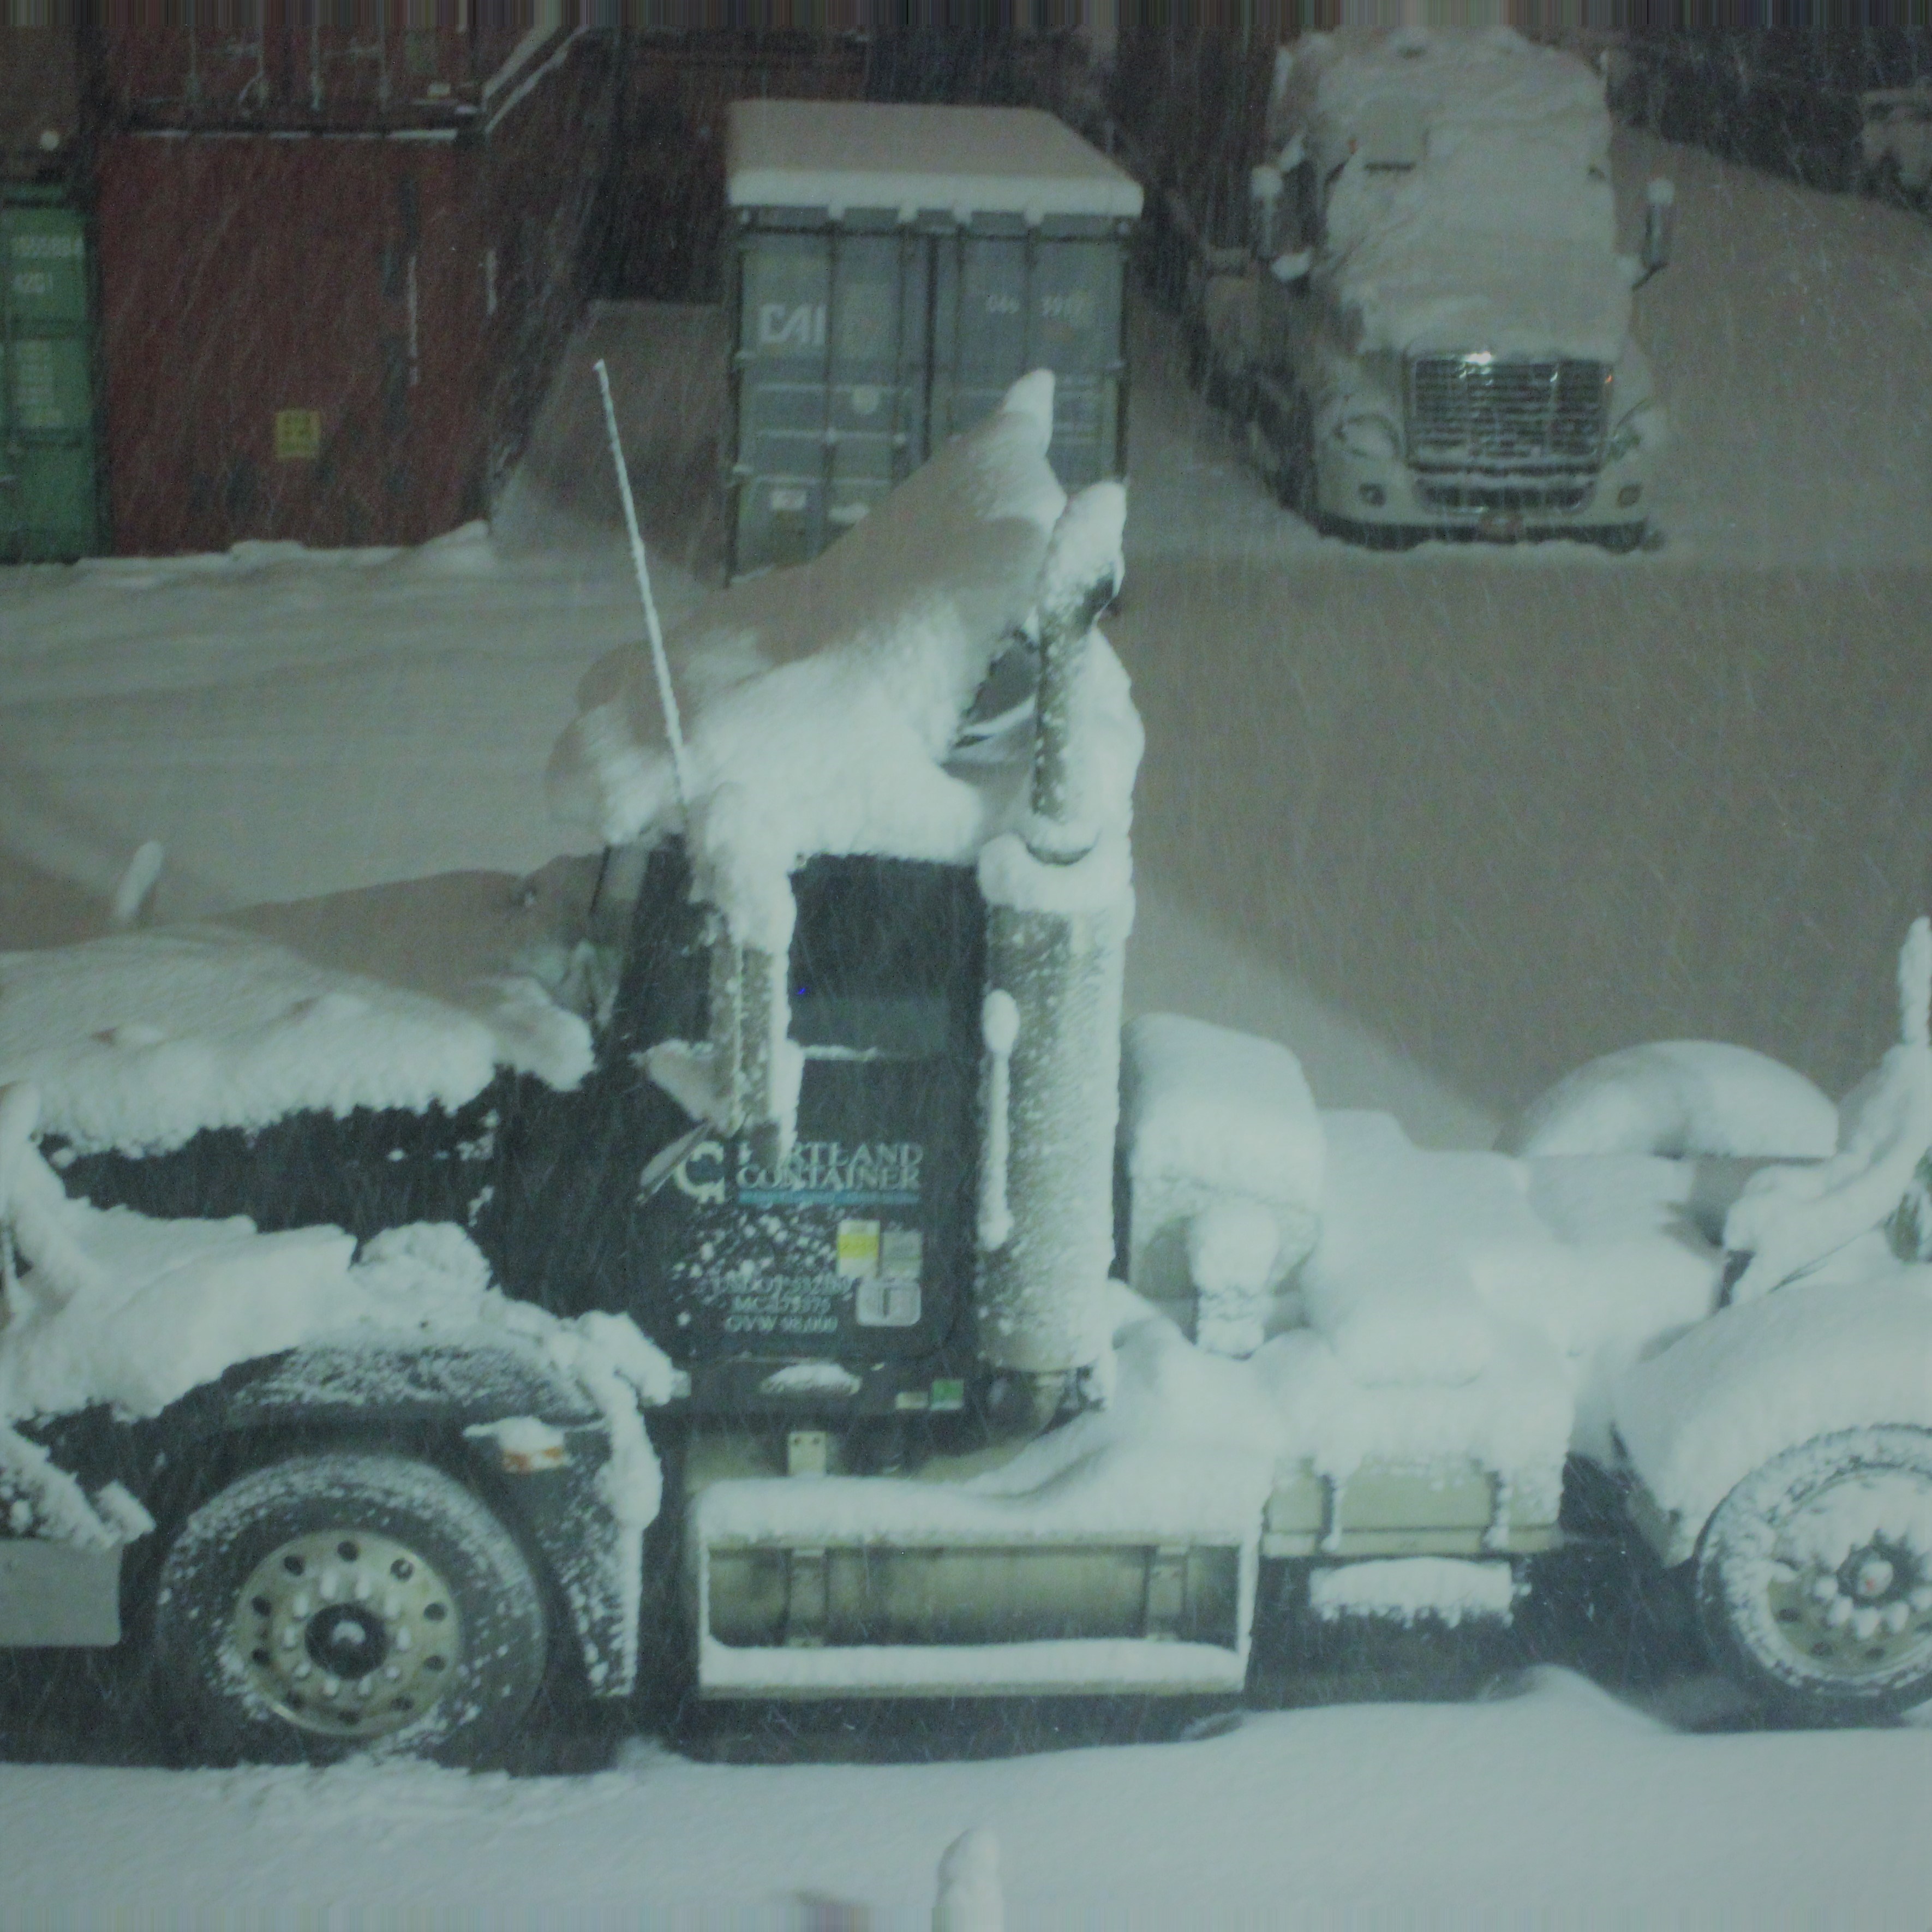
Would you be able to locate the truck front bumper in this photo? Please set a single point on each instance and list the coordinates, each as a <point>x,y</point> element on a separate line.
<point>1386,493</point>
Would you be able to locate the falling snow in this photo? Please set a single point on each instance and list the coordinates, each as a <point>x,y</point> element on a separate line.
<point>1450,822</point>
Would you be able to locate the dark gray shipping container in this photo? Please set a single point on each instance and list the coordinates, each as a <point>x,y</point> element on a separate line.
<point>896,268</point>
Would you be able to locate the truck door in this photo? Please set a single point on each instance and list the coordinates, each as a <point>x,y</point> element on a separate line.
<point>856,1246</point>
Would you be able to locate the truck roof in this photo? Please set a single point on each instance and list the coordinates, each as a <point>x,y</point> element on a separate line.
<point>960,161</point>
<point>1380,94</point>
<point>1467,201</point>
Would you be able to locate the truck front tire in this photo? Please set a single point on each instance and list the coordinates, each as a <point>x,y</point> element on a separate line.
<point>347,1601</point>
<point>1814,1578</point>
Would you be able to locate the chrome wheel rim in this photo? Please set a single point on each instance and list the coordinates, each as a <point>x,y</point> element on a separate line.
<point>347,1632</point>
<point>1848,1587</point>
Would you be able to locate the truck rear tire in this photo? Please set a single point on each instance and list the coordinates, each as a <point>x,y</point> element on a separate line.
<point>347,1601</point>
<point>1814,1578</point>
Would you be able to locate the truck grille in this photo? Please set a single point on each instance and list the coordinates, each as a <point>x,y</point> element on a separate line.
<point>1469,409</point>
<point>1506,499</point>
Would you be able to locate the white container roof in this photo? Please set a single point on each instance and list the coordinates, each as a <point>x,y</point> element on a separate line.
<point>838,154</point>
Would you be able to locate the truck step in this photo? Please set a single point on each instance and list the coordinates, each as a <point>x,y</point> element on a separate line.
<point>1080,1667</point>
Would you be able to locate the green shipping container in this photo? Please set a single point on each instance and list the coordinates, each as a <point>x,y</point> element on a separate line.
<point>49,506</point>
<point>896,267</point>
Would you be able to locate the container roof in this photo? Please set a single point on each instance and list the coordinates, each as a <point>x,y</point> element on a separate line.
<point>838,154</point>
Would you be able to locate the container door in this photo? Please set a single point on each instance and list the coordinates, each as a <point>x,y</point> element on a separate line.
<point>830,368</point>
<point>47,508</point>
<point>1009,299</point>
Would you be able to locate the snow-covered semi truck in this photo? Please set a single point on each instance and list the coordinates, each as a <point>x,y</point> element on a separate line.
<point>757,1256</point>
<point>1430,330</point>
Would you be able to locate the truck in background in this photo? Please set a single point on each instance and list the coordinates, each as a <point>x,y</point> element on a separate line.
<point>1430,330</point>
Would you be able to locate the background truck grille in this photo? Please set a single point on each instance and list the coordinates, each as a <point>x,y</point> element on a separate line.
<point>1468,409</point>
<point>1508,499</point>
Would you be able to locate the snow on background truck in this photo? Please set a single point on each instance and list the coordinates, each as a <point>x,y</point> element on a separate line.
<point>765,1261</point>
<point>1430,330</point>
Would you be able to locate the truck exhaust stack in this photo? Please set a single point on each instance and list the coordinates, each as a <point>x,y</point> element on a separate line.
<point>1059,906</point>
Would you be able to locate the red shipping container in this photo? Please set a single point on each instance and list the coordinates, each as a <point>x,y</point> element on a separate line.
<point>338,338</point>
<point>40,95</point>
<point>270,63</point>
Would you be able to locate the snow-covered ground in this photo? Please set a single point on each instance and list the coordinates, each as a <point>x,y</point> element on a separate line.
<point>1558,1808</point>
<point>1450,823</point>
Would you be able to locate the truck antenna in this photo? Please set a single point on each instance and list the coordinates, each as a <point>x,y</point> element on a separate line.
<point>660,663</point>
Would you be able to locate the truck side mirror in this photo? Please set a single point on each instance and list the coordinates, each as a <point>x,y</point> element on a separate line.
<point>1659,224</point>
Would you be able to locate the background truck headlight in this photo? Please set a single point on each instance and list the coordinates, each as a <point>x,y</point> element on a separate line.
<point>1370,436</point>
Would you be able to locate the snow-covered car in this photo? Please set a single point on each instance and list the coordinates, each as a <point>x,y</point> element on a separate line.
<point>769,1262</point>
<point>1895,141</point>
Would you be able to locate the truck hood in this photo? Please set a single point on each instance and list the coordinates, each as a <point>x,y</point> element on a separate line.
<point>1502,239</point>
<point>1452,295</point>
<point>404,996</point>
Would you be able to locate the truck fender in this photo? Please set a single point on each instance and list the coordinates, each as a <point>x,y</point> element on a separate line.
<point>528,1437</point>
<point>1697,1417</point>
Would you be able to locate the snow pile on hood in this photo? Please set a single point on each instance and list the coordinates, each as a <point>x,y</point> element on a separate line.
<point>1789,1219</point>
<point>822,701</point>
<point>1472,210</point>
<point>139,1040</point>
<point>117,1308</point>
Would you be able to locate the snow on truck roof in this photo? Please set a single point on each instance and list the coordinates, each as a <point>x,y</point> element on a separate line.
<point>1358,86</point>
<point>961,161</point>
<point>823,705</point>
<point>1468,200</point>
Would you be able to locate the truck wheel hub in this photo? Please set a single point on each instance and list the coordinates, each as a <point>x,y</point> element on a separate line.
<point>346,1632</point>
<point>1865,1615</point>
<point>1873,1575</point>
<point>346,1641</point>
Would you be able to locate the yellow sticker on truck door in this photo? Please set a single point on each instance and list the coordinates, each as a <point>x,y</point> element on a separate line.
<point>858,1248</point>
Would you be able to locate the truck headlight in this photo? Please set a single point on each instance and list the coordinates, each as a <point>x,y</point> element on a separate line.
<point>1370,436</point>
<point>1642,425</point>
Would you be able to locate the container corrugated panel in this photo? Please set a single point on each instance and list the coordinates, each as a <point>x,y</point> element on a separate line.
<point>830,396</point>
<point>897,269</point>
<point>292,332</point>
<point>47,494</point>
<point>337,339</point>
<point>1009,298</point>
